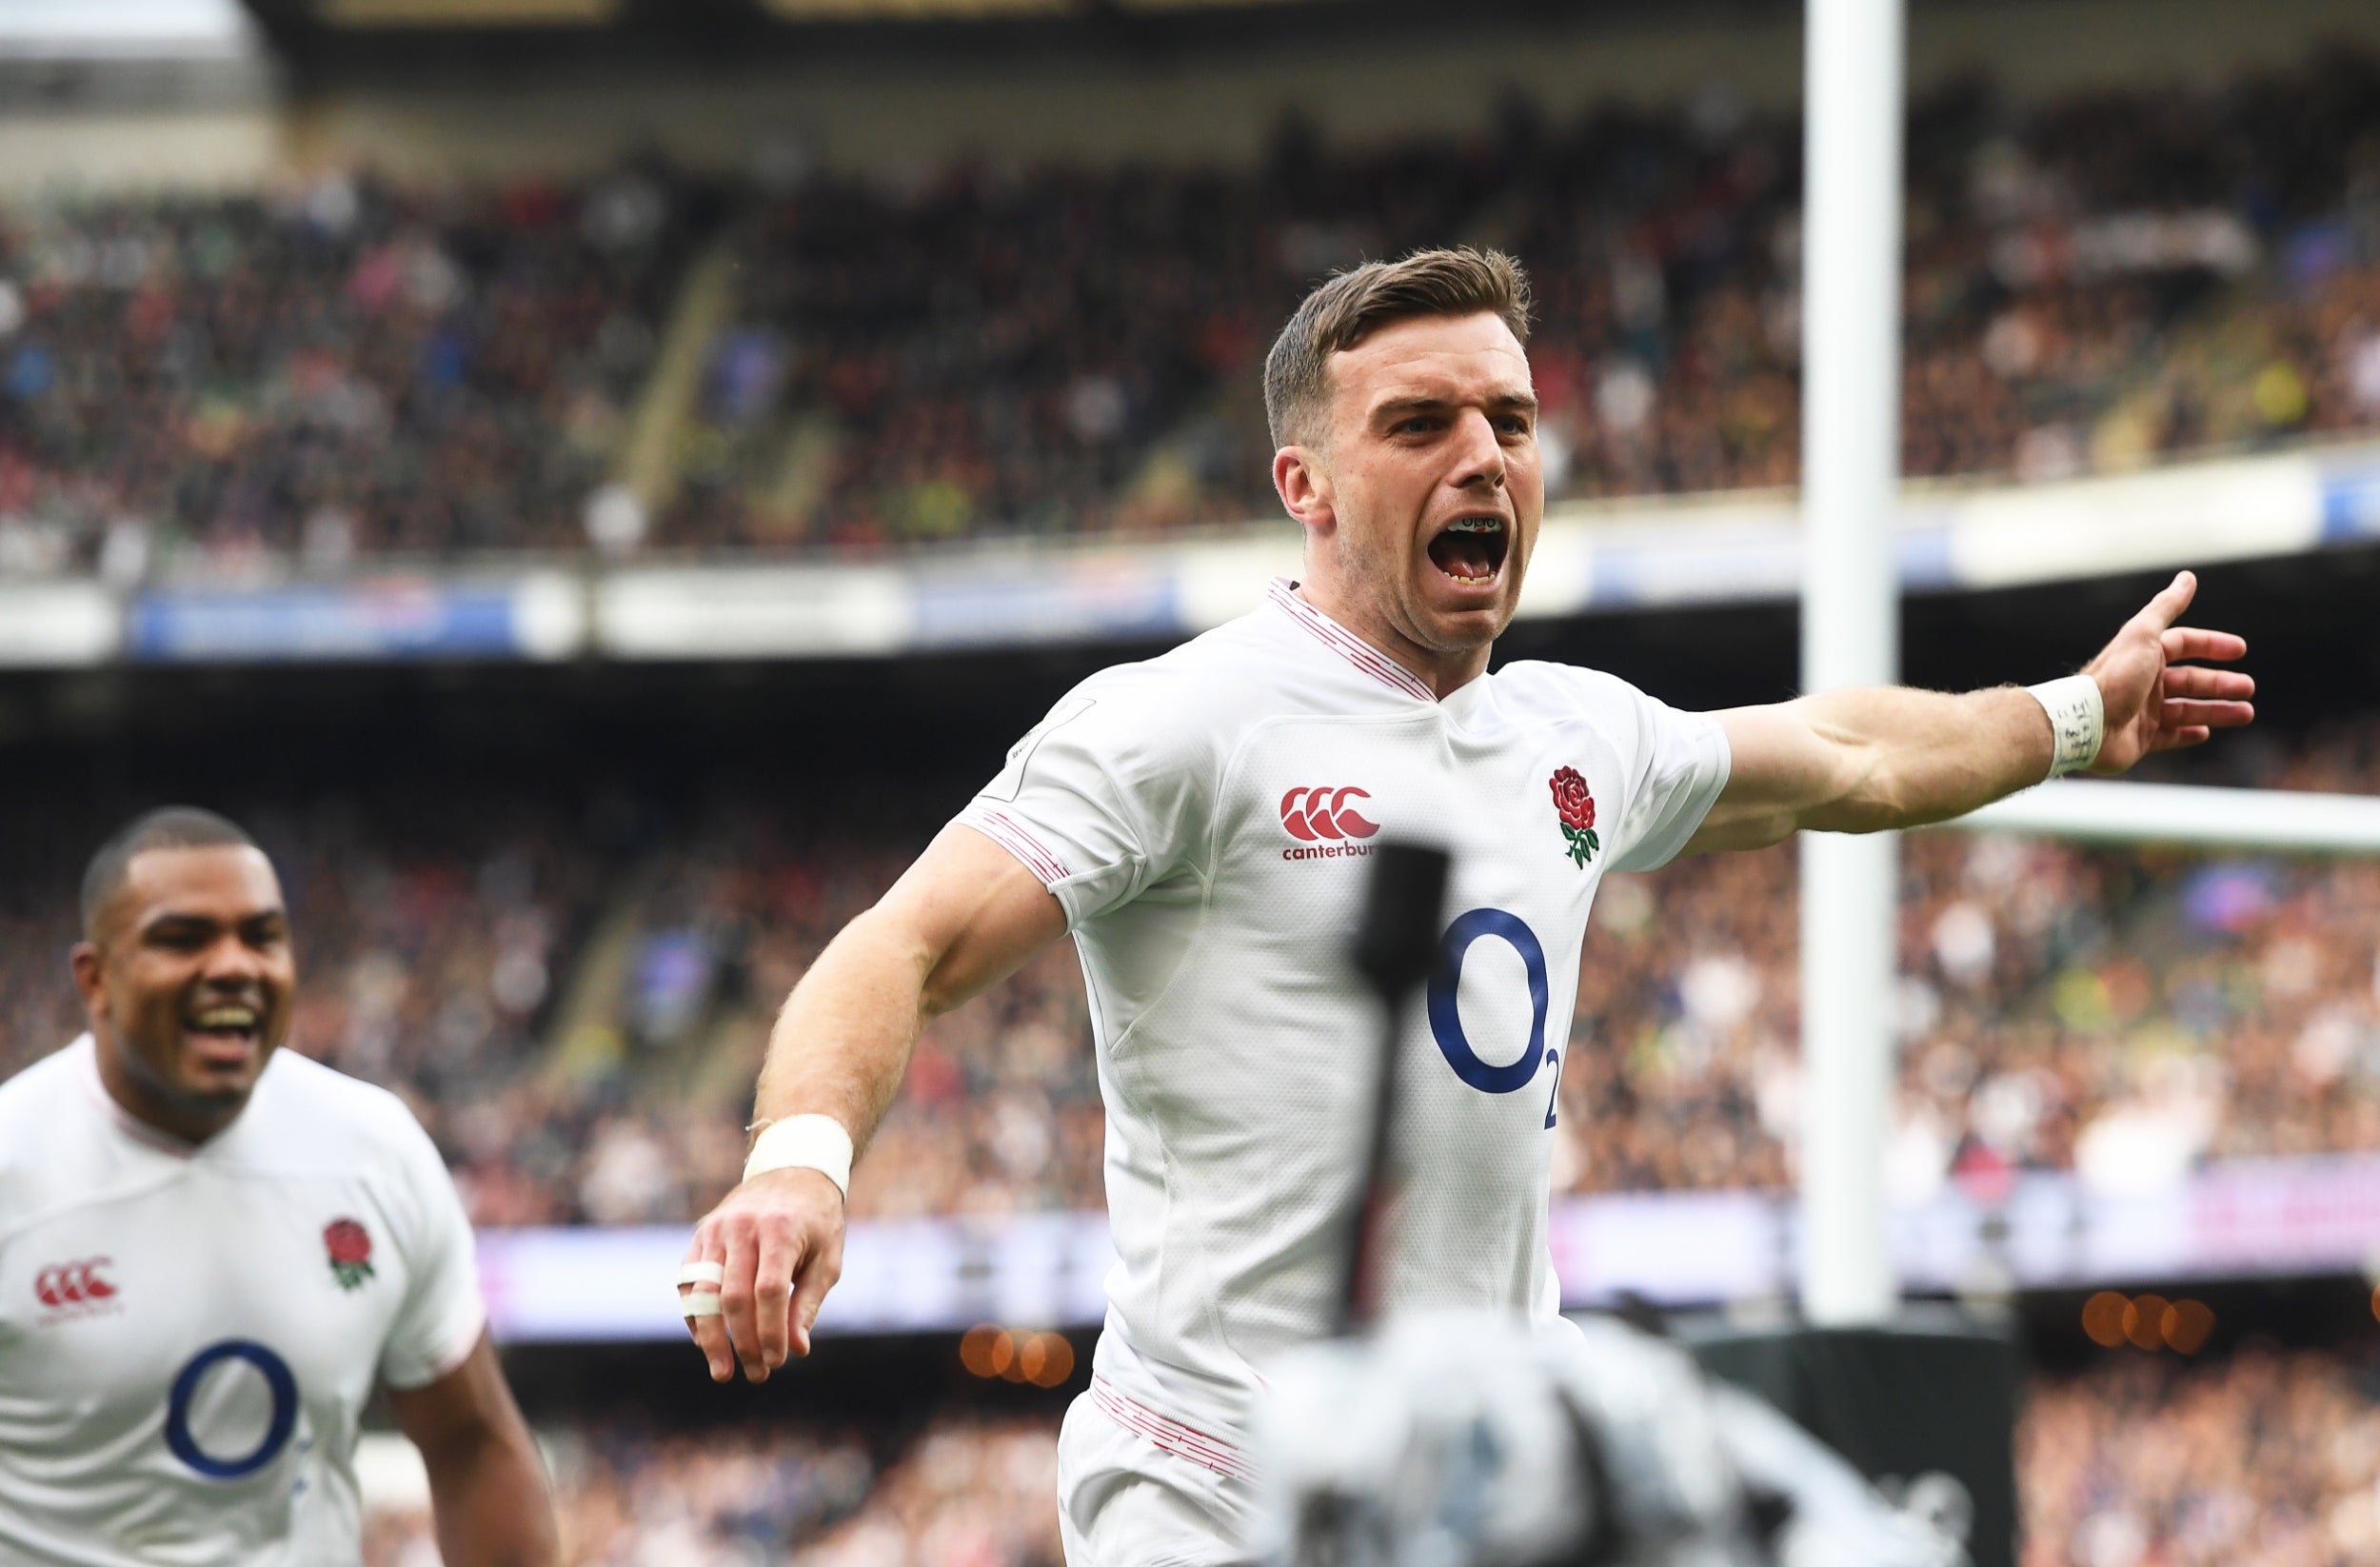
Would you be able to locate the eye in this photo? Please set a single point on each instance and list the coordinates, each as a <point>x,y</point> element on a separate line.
<point>1513,424</point>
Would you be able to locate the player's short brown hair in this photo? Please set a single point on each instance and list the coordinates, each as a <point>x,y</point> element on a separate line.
<point>1352,305</point>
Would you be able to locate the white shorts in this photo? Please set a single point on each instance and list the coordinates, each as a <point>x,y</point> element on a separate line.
<point>1125,1500</point>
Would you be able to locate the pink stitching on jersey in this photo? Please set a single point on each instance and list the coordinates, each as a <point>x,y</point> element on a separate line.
<point>1347,645</point>
<point>1168,1434</point>
<point>1035,854</point>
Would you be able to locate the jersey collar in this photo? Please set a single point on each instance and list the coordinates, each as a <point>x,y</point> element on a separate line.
<point>1346,644</point>
<point>87,1067</point>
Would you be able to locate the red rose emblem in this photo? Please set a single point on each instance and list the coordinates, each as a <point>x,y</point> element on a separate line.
<point>350,1248</point>
<point>1577,812</point>
<point>1572,799</point>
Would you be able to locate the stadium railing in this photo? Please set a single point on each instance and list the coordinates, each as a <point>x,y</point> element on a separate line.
<point>1591,559</point>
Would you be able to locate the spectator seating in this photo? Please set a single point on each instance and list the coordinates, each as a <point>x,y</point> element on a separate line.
<point>349,369</point>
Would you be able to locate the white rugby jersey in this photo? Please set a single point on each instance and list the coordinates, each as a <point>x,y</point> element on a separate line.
<point>1205,820</point>
<point>188,1334</point>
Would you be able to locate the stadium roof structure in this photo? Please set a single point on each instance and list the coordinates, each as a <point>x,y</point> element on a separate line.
<point>147,53</point>
<point>76,30</point>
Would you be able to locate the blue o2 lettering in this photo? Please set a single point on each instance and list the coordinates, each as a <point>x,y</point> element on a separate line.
<point>1446,1014</point>
<point>277,1378</point>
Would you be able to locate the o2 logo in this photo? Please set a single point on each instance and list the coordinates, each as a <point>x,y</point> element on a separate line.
<point>1446,1011</point>
<point>278,1380</point>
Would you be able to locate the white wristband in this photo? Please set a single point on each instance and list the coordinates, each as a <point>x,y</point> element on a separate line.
<point>804,1142</point>
<point>2078,721</point>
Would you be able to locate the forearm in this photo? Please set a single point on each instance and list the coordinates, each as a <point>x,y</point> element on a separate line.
<point>963,918</point>
<point>490,1495</point>
<point>1907,757</point>
<point>842,1039</point>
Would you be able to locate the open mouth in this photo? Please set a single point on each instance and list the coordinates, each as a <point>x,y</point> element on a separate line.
<point>226,1030</point>
<point>1471,551</point>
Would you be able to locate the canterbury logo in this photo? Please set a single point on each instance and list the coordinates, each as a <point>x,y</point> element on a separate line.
<point>74,1283</point>
<point>1316,813</point>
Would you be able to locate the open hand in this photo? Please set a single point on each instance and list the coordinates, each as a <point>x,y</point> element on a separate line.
<point>2157,702</point>
<point>778,1238</point>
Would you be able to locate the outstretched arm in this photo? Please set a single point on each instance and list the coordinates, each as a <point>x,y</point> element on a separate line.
<point>1866,761</point>
<point>964,916</point>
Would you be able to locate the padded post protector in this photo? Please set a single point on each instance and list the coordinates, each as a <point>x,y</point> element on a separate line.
<point>1934,1392</point>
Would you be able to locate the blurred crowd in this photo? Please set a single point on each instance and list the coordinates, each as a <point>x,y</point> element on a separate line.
<point>2126,1015</point>
<point>346,366</point>
<point>2270,1459</point>
<point>2264,1459</point>
<point>341,368</point>
<point>962,1493</point>
<point>578,1013</point>
<point>2091,283</point>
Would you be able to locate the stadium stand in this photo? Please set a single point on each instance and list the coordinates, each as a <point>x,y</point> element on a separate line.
<point>580,1027</point>
<point>2267,1456</point>
<point>349,369</point>
<point>342,369</point>
<point>965,1492</point>
<point>353,373</point>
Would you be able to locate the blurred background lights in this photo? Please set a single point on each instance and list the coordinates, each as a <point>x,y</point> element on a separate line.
<point>1045,1360</point>
<point>2103,1319</point>
<point>2152,1322</point>
<point>2185,1325</point>
<point>2143,1321</point>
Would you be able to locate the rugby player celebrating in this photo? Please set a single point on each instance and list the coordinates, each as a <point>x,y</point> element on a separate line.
<point>1197,823</point>
<point>212,1250</point>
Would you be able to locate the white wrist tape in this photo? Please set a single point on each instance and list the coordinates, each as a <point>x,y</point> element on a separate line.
<point>804,1142</point>
<point>2078,721</point>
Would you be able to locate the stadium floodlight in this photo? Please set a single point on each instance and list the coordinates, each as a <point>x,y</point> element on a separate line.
<point>2176,815</point>
<point>1850,633</point>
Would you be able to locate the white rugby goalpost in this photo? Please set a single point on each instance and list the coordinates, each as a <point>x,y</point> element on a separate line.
<point>1849,634</point>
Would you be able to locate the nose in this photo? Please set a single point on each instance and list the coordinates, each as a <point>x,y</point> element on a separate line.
<point>1479,456</point>
<point>232,963</point>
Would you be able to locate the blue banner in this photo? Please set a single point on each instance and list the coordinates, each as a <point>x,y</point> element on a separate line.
<point>390,619</point>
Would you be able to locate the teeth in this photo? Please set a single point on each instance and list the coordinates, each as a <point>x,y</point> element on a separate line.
<point>226,1017</point>
<point>1476,524</point>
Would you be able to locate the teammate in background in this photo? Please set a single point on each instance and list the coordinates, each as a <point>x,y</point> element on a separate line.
<point>1196,824</point>
<point>212,1251</point>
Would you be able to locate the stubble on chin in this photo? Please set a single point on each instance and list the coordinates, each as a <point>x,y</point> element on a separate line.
<point>170,1091</point>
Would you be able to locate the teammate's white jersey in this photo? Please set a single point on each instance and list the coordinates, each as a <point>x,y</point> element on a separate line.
<point>1205,820</point>
<point>188,1334</point>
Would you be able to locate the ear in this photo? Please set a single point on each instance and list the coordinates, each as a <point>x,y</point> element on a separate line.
<point>1304,487</point>
<point>90,975</point>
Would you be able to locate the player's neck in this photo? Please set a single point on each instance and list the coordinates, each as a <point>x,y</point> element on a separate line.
<point>140,1101</point>
<point>1445,673</point>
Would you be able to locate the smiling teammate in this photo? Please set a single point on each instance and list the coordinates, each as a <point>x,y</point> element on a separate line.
<point>1198,821</point>
<point>212,1250</point>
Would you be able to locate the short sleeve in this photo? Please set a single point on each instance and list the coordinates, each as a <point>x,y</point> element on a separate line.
<point>442,1316</point>
<point>1100,800</point>
<point>1680,768</point>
